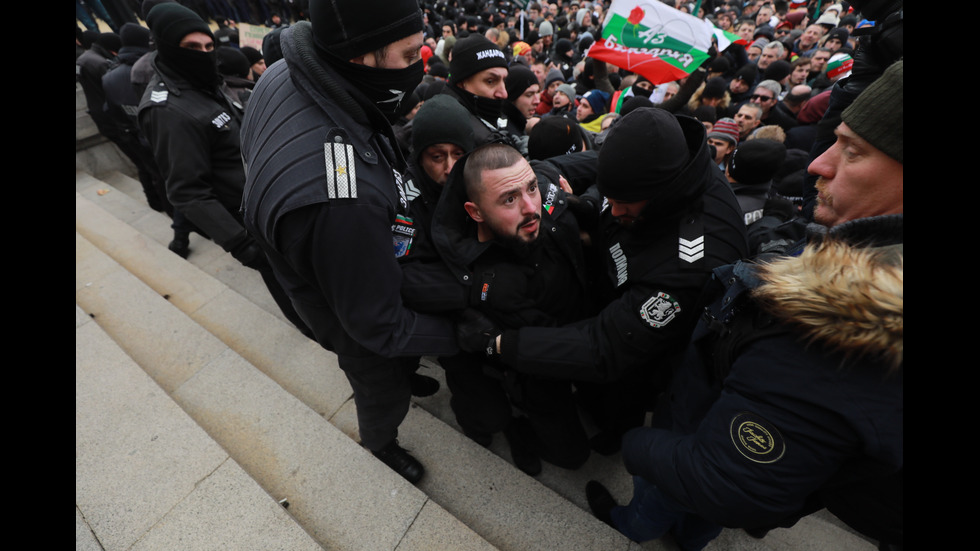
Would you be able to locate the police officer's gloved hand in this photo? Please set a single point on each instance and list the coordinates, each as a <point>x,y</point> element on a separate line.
<point>250,254</point>
<point>585,208</point>
<point>502,287</point>
<point>476,333</point>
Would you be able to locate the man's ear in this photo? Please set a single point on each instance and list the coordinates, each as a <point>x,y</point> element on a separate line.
<point>473,210</point>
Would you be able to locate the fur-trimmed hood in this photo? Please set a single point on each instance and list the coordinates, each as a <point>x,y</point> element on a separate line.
<point>845,296</point>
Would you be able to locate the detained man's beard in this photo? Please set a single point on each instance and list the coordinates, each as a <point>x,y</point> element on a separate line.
<point>514,241</point>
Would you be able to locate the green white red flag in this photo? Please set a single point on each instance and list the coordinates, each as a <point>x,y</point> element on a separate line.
<point>726,39</point>
<point>652,39</point>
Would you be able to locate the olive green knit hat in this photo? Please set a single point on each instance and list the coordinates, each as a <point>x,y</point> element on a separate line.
<point>877,113</point>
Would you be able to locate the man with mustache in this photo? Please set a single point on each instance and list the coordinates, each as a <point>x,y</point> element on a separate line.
<point>504,229</point>
<point>790,398</point>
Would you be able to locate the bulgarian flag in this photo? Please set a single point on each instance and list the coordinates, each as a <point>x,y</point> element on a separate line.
<point>654,40</point>
<point>726,39</point>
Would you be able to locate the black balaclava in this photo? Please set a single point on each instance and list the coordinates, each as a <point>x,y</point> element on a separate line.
<point>170,23</point>
<point>343,31</point>
<point>641,92</point>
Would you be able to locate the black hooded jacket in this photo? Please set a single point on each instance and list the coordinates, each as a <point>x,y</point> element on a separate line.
<point>546,283</point>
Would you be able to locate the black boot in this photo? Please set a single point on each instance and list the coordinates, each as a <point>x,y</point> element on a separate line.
<point>517,435</point>
<point>401,462</point>
<point>600,501</point>
<point>180,245</point>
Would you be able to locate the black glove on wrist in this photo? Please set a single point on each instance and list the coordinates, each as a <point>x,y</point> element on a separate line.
<point>249,254</point>
<point>475,333</point>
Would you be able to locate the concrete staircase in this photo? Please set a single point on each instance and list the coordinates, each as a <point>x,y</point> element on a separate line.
<point>204,420</point>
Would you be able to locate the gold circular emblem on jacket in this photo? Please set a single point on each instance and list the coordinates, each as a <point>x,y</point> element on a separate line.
<point>757,439</point>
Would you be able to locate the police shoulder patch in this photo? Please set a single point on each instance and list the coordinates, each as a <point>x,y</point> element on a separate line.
<point>159,96</point>
<point>660,309</point>
<point>756,439</point>
<point>338,158</point>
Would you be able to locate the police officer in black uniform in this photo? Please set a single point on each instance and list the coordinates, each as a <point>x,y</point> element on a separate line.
<point>192,124</point>
<point>326,200</point>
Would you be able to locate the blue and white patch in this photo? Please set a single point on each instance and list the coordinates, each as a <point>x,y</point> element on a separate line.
<point>659,310</point>
<point>691,250</point>
<point>403,232</point>
<point>338,158</point>
<point>756,439</point>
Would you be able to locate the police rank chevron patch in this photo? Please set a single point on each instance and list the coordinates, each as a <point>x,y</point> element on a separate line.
<point>341,176</point>
<point>691,251</point>
<point>159,96</point>
<point>411,190</point>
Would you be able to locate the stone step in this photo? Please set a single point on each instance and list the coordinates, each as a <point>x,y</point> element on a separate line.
<point>146,475</point>
<point>340,495</point>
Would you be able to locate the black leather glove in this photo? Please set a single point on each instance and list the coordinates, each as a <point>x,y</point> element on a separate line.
<point>475,333</point>
<point>585,208</point>
<point>502,287</point>
<point>250,254</point>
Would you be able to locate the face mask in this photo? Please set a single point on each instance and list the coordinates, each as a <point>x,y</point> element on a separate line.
<point>385,88</point>
<point>488,109</point>
<point>637,91</point>
<point>198,68</point>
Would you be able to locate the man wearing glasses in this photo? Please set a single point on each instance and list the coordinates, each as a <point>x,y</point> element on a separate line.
<point>766,95</point>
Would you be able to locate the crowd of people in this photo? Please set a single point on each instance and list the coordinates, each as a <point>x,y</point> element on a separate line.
<point>706,272</point>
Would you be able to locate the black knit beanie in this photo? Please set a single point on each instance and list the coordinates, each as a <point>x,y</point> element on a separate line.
<point>170,22</point>
<point>350,28</point>
<point>748,73</point>
<point>720,65</point>
<point>877,114</point>
<point>110,41</point>
<point>715,88</point>
<point>254,56</point>
<point>439,70</point>
<point>232,62</point>
<point>634,103</point>
<point>473,54</point>
<point>272,46</point>
<point>777,70</point>
<point>441,120</point>
<point>519,79</point>
<point>134,35</point>
<point>756,161</point>
<point>88,38</point>
<point>148,5</point>
<point>642,156</point>
<point>554,136</point>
